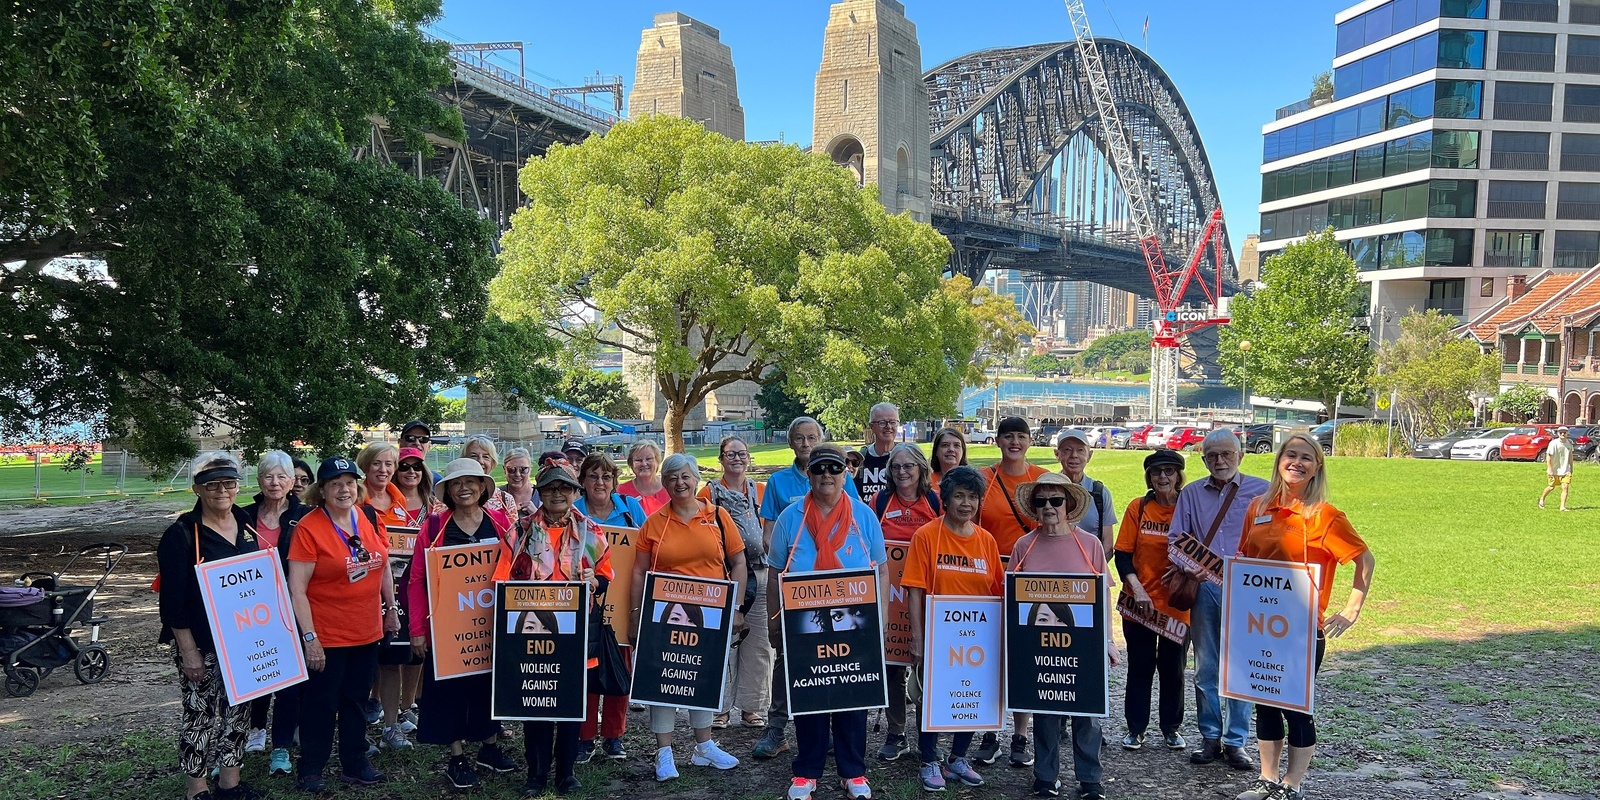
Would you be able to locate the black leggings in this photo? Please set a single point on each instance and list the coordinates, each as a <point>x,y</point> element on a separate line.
<point>1150,653</point>
<point>1271,720</point>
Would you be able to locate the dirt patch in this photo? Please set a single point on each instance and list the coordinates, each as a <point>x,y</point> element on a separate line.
<point>1498,716</point>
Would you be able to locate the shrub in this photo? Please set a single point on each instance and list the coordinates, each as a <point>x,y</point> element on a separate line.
<point>1368,440</point>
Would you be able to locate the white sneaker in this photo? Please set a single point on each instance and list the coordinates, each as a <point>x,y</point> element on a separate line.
<point>801,788</point>
<point>408,721</point>
<point>708,754</point>
<point>394,738</point>
<point>666,767</point>
<point>257,743</point>
<point>857,788</point>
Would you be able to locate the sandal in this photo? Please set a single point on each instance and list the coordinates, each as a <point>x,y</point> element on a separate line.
<point>719,721</point>
<point>753,720</point>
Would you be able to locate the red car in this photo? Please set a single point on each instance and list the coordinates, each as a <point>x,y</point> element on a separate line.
<point>1527,443</point>
<point>1137,439</point>
<point>1186,438</point>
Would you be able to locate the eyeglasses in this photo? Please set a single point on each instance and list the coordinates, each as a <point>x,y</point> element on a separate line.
<point>411,467</point>
<point>1219,455</point>
<point>1164,471</point>
<point>518,470</point>
<point>885,423</point>
<point>414,439</point>
<point>1053,502</point>
<point>220,486</point>
<point>737,455</point>
<point>902,467</point>
<point>830,468</point>
<point>302,480</point>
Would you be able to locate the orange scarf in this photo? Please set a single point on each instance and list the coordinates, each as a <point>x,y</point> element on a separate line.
<point>828,533</point>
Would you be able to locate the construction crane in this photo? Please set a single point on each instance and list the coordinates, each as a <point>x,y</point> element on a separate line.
<point>1173,321</point>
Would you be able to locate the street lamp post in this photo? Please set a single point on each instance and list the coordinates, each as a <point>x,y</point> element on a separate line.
<point>1244,380</point>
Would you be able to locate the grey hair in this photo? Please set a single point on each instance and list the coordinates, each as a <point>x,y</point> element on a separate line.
<point>884,406</point>
<point>677,462</point>
<point>1221,436</point>
<point>275,460</point>
<point>925,476</point>
<point>212,458</point>
<point>962,477</point>
<point>640,445</point>
<point>484,442</point>
<point>798,421</point>
<point>518,452</point>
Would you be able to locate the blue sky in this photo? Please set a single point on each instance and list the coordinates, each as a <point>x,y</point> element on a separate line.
<point>1234,61</point>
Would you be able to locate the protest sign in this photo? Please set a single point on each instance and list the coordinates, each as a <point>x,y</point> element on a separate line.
<point>963,663</point>
<point>897,616</point>
<point>833,641</point>
<point>1194,557</point>
<point>252,623</point>
<point>1153,618</point>
<point>1056,644</point>
<point>1269,632</point>
<point>684,628</point>
<point>617,593</point>
<point>461,608</point>
<point>541,651</point>
<point>402,540</point>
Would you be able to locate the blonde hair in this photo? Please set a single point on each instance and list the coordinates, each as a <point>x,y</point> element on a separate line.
<point>484,443</point>
<point>370,454</point>
<point>1315,492</point>
<point>640,445</point>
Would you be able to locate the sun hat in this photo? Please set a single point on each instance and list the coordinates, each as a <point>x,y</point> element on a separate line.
<point>334,466</point>
<point>556,475</point>
<point>462,468</point>
<point>1077,496</point>
<point>1072,433</point>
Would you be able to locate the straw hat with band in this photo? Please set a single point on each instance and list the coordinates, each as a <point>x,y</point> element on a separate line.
<point>1078,499</point>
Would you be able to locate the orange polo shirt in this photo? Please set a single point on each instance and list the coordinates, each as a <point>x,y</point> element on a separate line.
<point>1000,514</point>
<point>940,562</point>
<point>1288,533</point>
<point>1144,535</point>
<point>396,513</point>
<point>698,548</point>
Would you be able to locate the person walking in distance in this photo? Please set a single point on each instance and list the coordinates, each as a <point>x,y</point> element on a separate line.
<point>1213,511</point>
<point>1558,466</point>
<point>883,425</point>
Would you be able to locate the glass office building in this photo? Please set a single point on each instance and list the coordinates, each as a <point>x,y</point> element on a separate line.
<point>1460,148</point>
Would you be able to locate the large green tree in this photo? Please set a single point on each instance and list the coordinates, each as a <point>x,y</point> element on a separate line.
<point>603,393</point>
<point>717,261</point>
<point>1107,352</point>
<point>1001,326</point>
<point>1304,342</point>
<point>187,240</point>
<point>1434,373</point>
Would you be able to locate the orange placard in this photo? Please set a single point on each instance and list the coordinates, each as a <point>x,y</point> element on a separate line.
<point>402,540</point>
<point>897,616</point>
<point>461,608</point>
<point>621,589</point>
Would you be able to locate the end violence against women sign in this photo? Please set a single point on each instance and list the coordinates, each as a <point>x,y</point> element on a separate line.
<point>247,606</point>
<point>1056,643</point>
<point>833,641</point>
<point>684,629</point>
<point>541,651</point>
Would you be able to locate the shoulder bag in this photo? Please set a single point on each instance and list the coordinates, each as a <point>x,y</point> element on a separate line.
<point>1182,587</point>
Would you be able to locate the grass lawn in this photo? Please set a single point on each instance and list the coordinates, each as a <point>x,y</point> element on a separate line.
<point>1472,668</point>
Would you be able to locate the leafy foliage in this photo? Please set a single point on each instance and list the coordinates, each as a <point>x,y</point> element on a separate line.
<point>778,406</point>
<point>719,260</point>
<point>1521,401</point>
<point>451,409</point>
<point>1303,340</point>
<point>603,393</point>
<point>1001,326</point>
<point>1322,86</point>
<point>1042,365</point>
<point>1434,372</point>
<point>1110,352</point>
<point>244,273</point>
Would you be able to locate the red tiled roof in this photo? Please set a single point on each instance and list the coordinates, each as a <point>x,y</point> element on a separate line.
<point>1577,297</point>
<point>1487,327</point>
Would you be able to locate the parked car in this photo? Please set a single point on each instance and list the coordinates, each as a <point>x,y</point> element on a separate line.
<point>1140,434</point>
<point>1324,433</point>
<point>1186,438</point>
<point>1527,442</point>
<point>1257,437</point>
<point>1439,446</point>
<point>1101,436</point>
<point>1156,437</point>
<point>1584,440</point>
<point>1121,440</point>
<point>1045,435</point>
<point>1484,447</point>
<point>980,436</point>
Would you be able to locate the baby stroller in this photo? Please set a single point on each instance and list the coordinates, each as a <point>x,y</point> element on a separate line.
<point>35,638</point>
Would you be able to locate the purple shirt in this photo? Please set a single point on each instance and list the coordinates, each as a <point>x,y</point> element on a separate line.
<point>1199,502</point>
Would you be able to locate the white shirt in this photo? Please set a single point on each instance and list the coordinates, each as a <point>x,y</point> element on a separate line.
<point>1559,458</point>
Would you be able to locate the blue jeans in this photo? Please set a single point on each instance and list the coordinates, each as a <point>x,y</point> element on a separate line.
<point>1205,630</point>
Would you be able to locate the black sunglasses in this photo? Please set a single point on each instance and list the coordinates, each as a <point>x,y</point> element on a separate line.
<point>830,468</point>
<point>411,467</point>
<point>361,554</point>
<point>1053,502</point>
<point>413,439</point>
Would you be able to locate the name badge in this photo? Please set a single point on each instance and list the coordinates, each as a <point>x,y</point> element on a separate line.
<point>1263,520</point>
<point>893,514</point>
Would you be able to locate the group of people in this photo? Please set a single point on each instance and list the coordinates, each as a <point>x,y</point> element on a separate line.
<point>815,514</point>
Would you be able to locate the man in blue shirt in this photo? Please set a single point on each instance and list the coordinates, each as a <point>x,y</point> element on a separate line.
<point>784,488</point>
<point>795,550</point>
<point>1220,501</point>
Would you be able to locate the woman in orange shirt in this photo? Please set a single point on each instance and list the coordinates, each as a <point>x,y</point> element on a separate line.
<point>1141,557</point>
<point>697,540</point>
<point>556,543</point>
<point>1294,522</point>
<point>970,566</point>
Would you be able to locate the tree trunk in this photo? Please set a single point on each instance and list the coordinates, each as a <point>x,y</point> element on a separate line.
<point>676,411</point>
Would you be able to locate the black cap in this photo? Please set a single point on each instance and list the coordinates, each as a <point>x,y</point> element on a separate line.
<point>417,423</point>
<point>334,467</point>
<point>575,444</point>
<point>825,454</point>
<point>1163,458</point>
<point>1012,425</point>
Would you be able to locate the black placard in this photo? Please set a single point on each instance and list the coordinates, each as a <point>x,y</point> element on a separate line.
<point>833,641</point>
<point>1056,644</point>
<point>541,647</point>
<point>683,634</point>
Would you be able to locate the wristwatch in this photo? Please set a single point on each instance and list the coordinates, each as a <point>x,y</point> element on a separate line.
<point>308,637</point>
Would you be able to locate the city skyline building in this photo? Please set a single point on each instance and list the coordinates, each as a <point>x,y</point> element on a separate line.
<point>1458,154</point>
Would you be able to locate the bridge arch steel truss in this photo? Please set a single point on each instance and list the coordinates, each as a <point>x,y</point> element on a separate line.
<point>1001,118</point>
